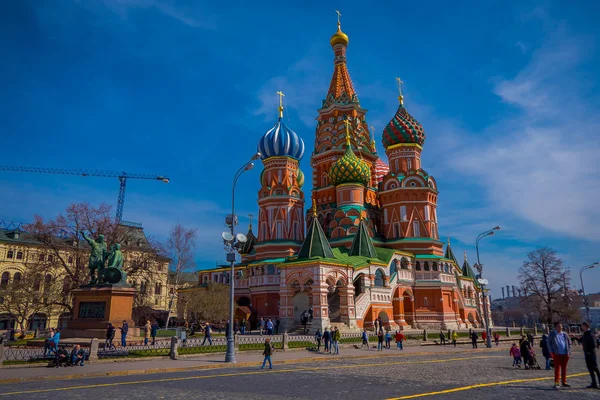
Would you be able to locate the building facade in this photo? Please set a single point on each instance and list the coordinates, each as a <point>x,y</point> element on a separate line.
<point>372,248</point>
<point>21,254</point>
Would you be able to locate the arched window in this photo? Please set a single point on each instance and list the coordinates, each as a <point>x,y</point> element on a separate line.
<point>17,277</point>
<point>404,263</point>
<point>4,280</point>
<point>394,267</point>
<point>271,269</point>
<point>446,268</point>
<point>379,278</point>
<point>426,266</point>
<point>425,303</point>
<point>418,266</point>
<point>47,282</point>
<point>37,283</point>
<point>158,289</point>
<point>434,266</point>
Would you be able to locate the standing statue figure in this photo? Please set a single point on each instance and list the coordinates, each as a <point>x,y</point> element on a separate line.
<point>98,253</point>
<point>114,273</point>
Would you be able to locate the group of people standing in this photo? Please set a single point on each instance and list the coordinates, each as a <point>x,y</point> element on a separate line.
<point>556,349</point>
<point>331,339</point>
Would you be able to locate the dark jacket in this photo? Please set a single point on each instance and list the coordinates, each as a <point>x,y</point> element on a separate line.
<point>544,346</point>
<point>589,342</point>
<point>525,349</point>
<point>326,336</point>
<point>268,349</point>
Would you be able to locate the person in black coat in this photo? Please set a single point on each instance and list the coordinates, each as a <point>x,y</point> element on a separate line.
<point>526,353</point>
<point>545,350</point>
<point>589,351</point>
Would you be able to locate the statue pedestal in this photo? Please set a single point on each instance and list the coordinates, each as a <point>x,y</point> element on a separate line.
<point>94,306</point>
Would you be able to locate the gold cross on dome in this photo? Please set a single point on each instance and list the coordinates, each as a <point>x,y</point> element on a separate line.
<point>314,208</point>
<point>339,15</point>
<point>401,96</point>
<point>347,123</point>
<point>250,217</point>
<point>280,93</point>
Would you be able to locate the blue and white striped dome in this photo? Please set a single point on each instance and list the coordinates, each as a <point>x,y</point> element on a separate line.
<point>281,141</point>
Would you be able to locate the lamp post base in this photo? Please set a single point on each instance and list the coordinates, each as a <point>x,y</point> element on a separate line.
<point>230,354</point>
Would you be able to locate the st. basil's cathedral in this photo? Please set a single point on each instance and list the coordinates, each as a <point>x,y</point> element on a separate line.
<point>372,249</point>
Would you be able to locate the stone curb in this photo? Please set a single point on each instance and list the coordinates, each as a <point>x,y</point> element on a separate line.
<point>208,367</point>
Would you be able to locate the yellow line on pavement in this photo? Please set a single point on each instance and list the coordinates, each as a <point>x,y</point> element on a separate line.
<point>247,373</point>
<point>481,385</point>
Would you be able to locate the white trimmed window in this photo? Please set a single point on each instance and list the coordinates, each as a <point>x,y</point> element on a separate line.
<point>403,213</point>
<point>416,229</point>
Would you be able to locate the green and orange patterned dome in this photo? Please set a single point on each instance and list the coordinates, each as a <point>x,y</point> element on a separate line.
<point>349,169</point>
<point>403,128</point>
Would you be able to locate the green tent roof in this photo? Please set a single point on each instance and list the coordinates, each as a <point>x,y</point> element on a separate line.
<point>315,244</point>
<point>362,245</point>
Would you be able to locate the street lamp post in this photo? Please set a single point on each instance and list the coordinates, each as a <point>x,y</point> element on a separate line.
<point>483,282</point>
<point>232,243</point>
<point>585,300</point>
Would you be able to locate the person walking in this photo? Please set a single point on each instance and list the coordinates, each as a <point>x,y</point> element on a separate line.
<point>267,353</point>
<point>147,332</point>
<point>474,338</point>
<point>335,340</point>
<point>530,338</point>
<point>589,352</point>
<point>497,338</point>
<point>207,336</point>
<point>516,355</point>
<point>124,330</point>
<point>243,327</point>
<point>269,326</point>
<point>442,338</point>
<point>318,337</point>
<point>365,339</point>
<point>526,353</point>
<point>545,350</point>
<point>454,338</point>
<point>49,342</point>
<point>110,336</point>
<point>388,339</point>
<point>483,337</point>
<point>560,348</point>
<point>153,332</point>
<point>310,314</point>
<point>304,320</point>
<point>380,341</point>
<point>375,326</point>
<point>261,325</point>
<point>327,341</point>
<point>399,339</point>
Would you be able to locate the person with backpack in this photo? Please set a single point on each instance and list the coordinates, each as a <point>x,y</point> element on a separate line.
<point>318,337</point>
<point>267,353</point>
<point>327,341</point>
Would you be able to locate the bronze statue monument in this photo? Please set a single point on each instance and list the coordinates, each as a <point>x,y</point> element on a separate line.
<point>98,254</point>
<point>101,272</point>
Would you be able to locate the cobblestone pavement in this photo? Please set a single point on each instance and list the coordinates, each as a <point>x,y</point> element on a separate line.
<point>409,376</point>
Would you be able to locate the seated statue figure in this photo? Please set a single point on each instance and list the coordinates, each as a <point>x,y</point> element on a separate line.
<point>114,270</point>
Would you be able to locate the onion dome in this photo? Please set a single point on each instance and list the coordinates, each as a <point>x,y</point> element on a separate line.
<point>381,170</point>
<point>300,178</point>
<point>281,141</point>
<point>339,37</point>
<point>349,168</point>
<point>403,128</point>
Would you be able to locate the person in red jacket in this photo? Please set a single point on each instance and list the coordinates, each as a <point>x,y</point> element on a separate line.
<point>483,336</point>
<point>399,339</point>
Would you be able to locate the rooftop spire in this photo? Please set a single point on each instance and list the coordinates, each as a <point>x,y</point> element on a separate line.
<point>315,243</point>
<point>400,95</point>
<point>280,93</point>
<point>250,223</point>
<point>314,208</point>
<point>362,245</point>
<point>347,123</point>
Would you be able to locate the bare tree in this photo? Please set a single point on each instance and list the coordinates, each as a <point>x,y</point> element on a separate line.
<point>62,250</point>
<point>31,293</point>
<point>207,304</point>
<point>544,282</point>
<point>180,247</point>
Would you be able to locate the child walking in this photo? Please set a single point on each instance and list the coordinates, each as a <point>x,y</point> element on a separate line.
<point>516,354</point>
<point>267,354</point>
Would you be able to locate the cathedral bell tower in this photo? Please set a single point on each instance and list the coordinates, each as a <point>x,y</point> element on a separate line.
<point>280,198</point>
<point>408,194</point>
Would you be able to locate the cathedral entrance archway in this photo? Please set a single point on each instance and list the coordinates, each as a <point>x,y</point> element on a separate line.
<point>333,300</point>
<point>409,308</point>
<point>301,303</point>
<point>359,286</point>
<point>385,319</point>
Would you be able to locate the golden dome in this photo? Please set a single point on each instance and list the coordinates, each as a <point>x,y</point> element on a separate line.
<point>339,37</point>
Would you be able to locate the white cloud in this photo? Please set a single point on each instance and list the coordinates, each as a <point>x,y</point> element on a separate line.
<point>542,165</point>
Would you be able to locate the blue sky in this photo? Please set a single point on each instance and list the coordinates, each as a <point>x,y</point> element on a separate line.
<point>507,93</point>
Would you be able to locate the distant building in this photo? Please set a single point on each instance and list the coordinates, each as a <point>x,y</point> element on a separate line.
<point>594,315</point>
